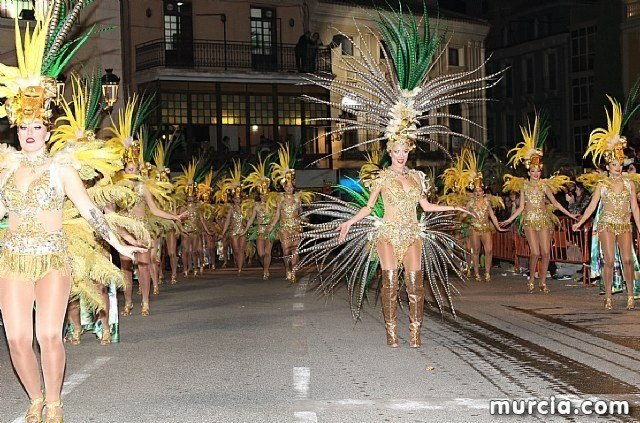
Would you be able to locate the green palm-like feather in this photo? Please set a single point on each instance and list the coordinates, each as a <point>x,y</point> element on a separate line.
<point>361,199</point>
<point>410,50</point>
<point>631,105</point>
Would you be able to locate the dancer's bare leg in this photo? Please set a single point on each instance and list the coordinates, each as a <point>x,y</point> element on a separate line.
<point>608,246</point>
<point>487,245</point>
<point>16,302</point>
<point>127,268</point>
<point>625,241</point>
<point>52,295</point>
<point>476,245</point>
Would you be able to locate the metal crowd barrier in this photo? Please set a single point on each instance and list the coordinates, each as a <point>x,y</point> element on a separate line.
<point>567,246</point>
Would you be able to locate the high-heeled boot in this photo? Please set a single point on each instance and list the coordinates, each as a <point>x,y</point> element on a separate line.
<point>389,296</point>
<point>415,292</point>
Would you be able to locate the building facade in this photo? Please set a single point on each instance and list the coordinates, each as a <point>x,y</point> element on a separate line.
<point>563,57</point>
<point>228,74</point>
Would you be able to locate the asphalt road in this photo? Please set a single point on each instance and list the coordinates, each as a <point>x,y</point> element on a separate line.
<point>231,348</point>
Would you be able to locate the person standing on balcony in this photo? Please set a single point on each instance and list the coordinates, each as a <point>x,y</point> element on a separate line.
<point>614,198</point>
<point>301,51</point>
<point>314,44</point>
<point>537,220</point>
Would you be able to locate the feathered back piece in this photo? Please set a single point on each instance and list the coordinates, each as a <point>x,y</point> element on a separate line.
<point>259,179</point>
<point>608,143</point>
<point>232,185</point>
<point>407,108</point>
<point>282,171</point>
<point>529,150</point>
<point>31,87</point>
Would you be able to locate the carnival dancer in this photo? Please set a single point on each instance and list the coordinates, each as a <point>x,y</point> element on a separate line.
<point>38,267</point>
<point>236,218</point>
<point>287,214</point>
<point>96,163</point>
<point>614,198</point>
<point>395,98</point>
<point>537,220</point>
<point>467,175</point>
<point>262,214</point>
<point>210,228</point>
<point>192,224</point>
<point>137,175</point>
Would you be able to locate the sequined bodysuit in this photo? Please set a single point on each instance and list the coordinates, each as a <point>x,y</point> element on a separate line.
<point>535,215</point>
<point>481,223</point>
<point>400,224</point>
<point>236,225</point>
<point>263,220</point>
<point>289,214</point>
<point>29,248</point>
<point>616,208</point>
<point>191,223</point>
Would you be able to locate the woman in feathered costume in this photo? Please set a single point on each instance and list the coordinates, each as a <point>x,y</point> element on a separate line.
<point>538,222</point>
<point>136,174</point>
<point>235,221</point>
<point>35,264</point>
<point>193,223</point>
<point>74,137</point>
<point>262,213</point>
<point>289,207</point>
<point>396,98</point>
<point>210,227</point>
<point>615,199</point>
<point>484,222</point>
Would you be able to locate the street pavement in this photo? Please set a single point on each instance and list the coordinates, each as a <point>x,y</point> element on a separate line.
<point>230,348</point>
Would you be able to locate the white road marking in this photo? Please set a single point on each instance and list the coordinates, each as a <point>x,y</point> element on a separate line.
<point>77,378</point>
<point>298,306</point>
<point>301,379</point>
<point>305,417</point>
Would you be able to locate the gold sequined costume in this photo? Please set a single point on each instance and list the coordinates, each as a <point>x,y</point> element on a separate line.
<point>400,224</point>
<point>535,214</point>
<point>616,209</point>
<point>290,214</point>
<point>481,223</point>
<point>263,220</point>
<point>237,222</point>
<point>29,249</point>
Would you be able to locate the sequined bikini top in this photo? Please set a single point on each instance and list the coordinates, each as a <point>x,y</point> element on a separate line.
<point>289,209</point>
<point>534,194</point>
<point>43,194</point>
<point>481,209</point>
<point>619,201</point>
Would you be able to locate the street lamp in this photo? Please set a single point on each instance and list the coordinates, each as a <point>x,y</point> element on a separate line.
<point>110,87</point>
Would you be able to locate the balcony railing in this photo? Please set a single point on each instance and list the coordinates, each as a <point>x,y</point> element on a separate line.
<point>226,56</point>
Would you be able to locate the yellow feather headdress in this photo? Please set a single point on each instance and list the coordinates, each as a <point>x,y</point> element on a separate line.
<point>608,143</point>
<point>258,179</point>
<point>204,188</point>
<point>281,173</point>
<point>186,181</point>
<point>370,169</point>
<point>529,150</point>
<point>123,136</point>
<point>233,183</point>
<point>29,94</point>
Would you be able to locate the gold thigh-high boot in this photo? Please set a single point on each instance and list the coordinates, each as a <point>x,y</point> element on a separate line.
<point>415,292</point>
<point>389,296</point>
